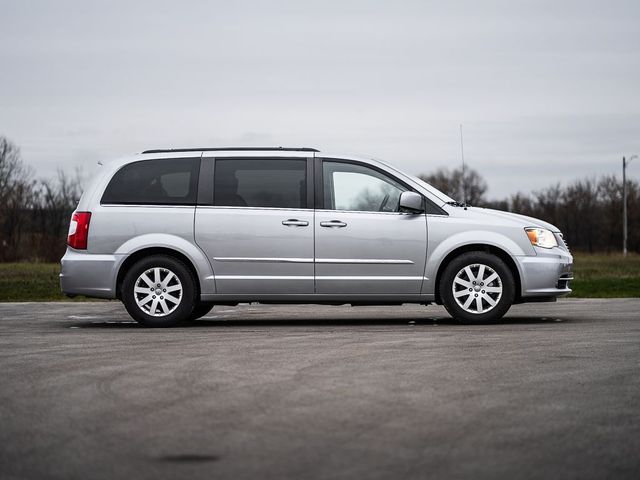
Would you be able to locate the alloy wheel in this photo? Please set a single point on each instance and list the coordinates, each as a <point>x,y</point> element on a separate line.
<point>477,288</point>
<point>158,291</point>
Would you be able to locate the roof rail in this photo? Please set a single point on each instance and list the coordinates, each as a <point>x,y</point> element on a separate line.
<point>237,149</point>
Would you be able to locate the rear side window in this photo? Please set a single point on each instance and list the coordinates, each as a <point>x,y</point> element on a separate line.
<point>164,181</point>
<point>279,183</point>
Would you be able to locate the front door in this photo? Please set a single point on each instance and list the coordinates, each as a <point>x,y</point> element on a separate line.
<point>258,232</point>
<point>364,244</point>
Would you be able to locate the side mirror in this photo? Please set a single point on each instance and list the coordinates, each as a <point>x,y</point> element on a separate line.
<point>412,202</point>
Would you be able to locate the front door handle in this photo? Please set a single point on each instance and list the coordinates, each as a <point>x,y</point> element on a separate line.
<point>333,224</point>
<point>294,222</point>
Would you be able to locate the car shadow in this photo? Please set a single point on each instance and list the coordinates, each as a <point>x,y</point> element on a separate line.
<point>319,322</point>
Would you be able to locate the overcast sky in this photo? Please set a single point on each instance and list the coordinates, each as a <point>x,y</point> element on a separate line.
<point>546,91</point>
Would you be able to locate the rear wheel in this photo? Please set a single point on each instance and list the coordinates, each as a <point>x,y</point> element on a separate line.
<point>159,291</point>
<point>477,287</point>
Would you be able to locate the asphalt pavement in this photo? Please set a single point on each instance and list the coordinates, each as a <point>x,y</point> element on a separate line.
<point>305,392</point>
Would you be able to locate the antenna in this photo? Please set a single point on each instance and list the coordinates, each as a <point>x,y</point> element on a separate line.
<point>464,186</point>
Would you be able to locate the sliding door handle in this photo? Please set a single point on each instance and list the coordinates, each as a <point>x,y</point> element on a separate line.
<point>333,224</point>
<point>294,222</point>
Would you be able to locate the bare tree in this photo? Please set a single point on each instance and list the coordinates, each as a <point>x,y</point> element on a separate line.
<point>610,202</point>
<point>470,188</point>
<point>582,213</point>
<point>15,192</point>
<point>521,203</point>
<point>34,215</point>
<point>549,202</point>
<point>53,202</point>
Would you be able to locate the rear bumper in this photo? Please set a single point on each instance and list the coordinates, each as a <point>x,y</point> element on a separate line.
<point>547,274</point>
<point>89,274</point>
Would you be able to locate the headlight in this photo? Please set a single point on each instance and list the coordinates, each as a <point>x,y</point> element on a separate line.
<point>541,237</point>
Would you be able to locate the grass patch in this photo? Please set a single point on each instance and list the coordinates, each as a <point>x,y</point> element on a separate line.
<point>31,282</point>
<point>606,276</point>
<point>596,276</point>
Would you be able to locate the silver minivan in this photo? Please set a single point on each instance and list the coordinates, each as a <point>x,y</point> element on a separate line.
<point>172,233</point>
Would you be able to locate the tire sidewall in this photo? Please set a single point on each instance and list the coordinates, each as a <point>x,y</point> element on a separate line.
<point>470,258</point>
<point>184,309</point>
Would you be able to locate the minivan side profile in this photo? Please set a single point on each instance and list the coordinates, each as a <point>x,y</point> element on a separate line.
<point>171,233</point>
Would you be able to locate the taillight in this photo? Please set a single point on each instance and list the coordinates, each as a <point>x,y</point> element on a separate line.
<point>79,230</point>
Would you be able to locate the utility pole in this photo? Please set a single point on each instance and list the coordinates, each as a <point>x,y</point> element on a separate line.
<point>625,162</point>
<point>464,183</point>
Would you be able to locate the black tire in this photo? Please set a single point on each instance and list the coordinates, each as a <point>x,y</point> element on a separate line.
<point>200,310</point>
<point>182,310</point>
<point>473,260</point>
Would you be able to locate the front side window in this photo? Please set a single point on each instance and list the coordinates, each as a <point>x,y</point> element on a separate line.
<point>276,183</point>
<point>355,187</point>
<point>166,181</point>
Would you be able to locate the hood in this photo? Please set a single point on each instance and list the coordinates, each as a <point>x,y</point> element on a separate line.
<point>524,220</point>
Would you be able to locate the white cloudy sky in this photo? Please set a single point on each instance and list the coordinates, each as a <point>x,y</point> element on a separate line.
<point>546,90</point>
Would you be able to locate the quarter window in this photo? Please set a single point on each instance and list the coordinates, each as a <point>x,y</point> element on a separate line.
<point>278,183</point>
<point>167,181</point>
<point>355,187</point>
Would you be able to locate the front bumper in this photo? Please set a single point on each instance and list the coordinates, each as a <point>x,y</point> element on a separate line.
<point>89,274</point>
<point>547,274</point>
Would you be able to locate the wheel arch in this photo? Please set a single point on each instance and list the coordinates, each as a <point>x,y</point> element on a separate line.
<point>480,247</point>
<point>149,251</point>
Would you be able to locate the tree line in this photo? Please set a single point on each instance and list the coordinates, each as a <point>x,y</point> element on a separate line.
<point>35,213</point>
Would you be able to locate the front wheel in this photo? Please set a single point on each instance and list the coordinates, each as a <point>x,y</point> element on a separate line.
<point>159,291</point>
<point>477,287</point>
